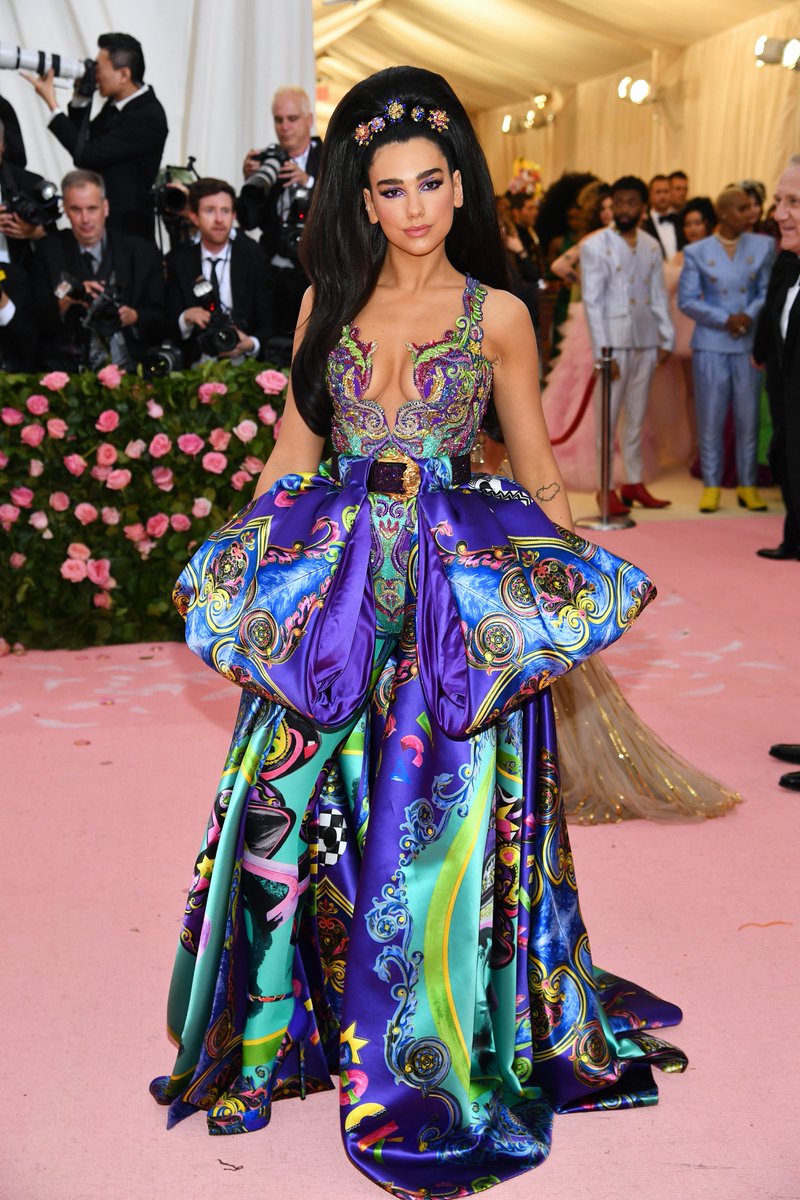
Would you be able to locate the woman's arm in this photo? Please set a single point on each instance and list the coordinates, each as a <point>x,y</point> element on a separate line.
<point>297,448</point>
<point>566,265</point>
<point>511,344</point>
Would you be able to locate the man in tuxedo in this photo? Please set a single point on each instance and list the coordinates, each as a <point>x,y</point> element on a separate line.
<point>277,203</point>
<point>236,270</point>
<point>17,234</point>
<point>660,222</point>
<point>777,348</point>
<point>625,301</point>
<point>92,258</point>
<point>678,190</point>
<point>125,140</point>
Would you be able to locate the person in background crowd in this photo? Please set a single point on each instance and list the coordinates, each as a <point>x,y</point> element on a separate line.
<point>756,193</point>
<point>276,199</point>
<point>626,308</point>
<point>94,259</point>
<point>523,210</point>
<point>16,234</point>
<point>238,272</point>
<point>15,145</point>
<point>17,327</point>
<point>125,140</point>
<point>524,269</point>
<point>722,288</point>
<point>777,348</point>
<point>660,221</point>
<point>596,211</point>
<point>678,189</point>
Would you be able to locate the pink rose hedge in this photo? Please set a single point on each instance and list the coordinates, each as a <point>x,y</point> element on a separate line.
<point>108,482</point>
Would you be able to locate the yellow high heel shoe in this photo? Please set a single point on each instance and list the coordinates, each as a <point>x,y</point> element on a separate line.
<point>749,498</point>
<point>709,501</point>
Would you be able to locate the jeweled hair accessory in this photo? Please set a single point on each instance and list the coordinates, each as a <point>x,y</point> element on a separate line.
<point>395,111</point>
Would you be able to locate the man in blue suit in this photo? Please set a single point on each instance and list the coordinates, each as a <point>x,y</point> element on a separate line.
<point>723,287</point>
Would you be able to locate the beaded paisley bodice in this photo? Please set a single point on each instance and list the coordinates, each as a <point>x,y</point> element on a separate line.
<point>453,380</point>
<point>452,377</point>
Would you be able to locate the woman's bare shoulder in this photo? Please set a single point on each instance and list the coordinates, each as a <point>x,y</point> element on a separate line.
<point>504,315</point>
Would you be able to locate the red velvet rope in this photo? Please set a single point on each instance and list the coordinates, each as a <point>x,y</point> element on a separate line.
<point>587,395</point>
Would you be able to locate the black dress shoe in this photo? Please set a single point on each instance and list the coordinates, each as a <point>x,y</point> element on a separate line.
<point>779,552</point>
<point>792,781</point>
<point>786,752</point>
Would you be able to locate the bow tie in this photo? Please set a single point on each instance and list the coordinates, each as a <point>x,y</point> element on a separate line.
<point>665,220</point>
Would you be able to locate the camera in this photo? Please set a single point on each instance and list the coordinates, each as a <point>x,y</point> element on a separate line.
<point>271,160</point>
<point>13,58</point>
<point>162,360</point>
<point>102,314</point>
<point>37,207</point>
<point>219,336</point>
<point>295,219</point>
<point>171,201</point>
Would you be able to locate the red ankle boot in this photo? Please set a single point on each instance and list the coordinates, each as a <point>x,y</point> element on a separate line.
<point>637,493</point>
<point>615,506</point>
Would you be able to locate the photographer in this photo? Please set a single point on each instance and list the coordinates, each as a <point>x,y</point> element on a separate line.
<point>20,198</point>
<point>98,293</point>
<point>276,196</point>
<point>219,295</point>
<point>125,140</point>
<point>17,328</point>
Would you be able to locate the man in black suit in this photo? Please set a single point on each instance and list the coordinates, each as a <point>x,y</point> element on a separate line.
<point>276,200</point>
<point>660,220</point>
<point>16,234</point>
<point>15,146</point>
<point>17,327</point>
<point>95,257</point>
<point>777,347</point>
<point>221,273</point>
<point>125,140</point>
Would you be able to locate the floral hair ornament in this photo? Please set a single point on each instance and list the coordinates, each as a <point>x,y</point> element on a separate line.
<point>395,111</point>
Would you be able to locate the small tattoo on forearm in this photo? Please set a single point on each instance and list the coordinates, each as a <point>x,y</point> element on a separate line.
<point>547,493</point>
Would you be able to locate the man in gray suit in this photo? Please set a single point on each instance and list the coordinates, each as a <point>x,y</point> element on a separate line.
<point>626,307</point>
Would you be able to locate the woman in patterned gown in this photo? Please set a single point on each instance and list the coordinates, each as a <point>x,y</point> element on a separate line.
<point>385,891</point>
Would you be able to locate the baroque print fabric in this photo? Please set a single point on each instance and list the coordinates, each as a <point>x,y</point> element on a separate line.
<point>386,892</point>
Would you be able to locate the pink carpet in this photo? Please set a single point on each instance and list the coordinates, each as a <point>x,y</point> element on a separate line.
<point>109,764</point>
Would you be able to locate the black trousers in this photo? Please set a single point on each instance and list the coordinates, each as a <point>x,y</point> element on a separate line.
<point>784,457</point>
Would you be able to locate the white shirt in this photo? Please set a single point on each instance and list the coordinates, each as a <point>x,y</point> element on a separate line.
<point>791,296</point>
<point>223,270</point>
<point>85,101</point>
<point>666,232</point>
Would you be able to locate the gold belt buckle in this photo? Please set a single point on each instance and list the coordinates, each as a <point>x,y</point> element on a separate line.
<point>411,474</point>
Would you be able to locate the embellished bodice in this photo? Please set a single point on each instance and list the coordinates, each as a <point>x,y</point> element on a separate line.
<point>452,378</point>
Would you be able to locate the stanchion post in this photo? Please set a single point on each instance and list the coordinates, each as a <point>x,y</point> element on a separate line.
<point>604,520</point>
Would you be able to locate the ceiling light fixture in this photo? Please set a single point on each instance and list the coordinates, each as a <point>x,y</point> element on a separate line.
<point>777,52</point>
<point>638,91</point>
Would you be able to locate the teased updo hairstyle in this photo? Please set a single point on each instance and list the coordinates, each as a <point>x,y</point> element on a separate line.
<point>342,253</point>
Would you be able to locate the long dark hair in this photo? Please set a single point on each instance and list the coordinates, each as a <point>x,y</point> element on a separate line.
<point>342,253</point>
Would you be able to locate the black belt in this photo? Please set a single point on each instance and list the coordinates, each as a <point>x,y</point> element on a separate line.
<point>398,475</point>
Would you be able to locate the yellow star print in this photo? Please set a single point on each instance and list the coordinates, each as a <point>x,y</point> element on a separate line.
<point>348,1038</point>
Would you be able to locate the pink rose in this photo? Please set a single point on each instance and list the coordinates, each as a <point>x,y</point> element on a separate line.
<point>215,463</point>
<point>219,438</point>
<point>106,454</point>
<point>74,464</point>
<point>73,569</point>
<point>35,467</point>
<point>190,443</point>
<point>38,520</point>
<point>17,560</point>
<point>11,416</point>
<point>245,430</point>
<point>180,522</point>
<point>240,480</point>
<point>135,533</point>
<point>9,513</point>
<point>154,410</point>
<point>55,380</point>
<point>59,501</point>
<point>136,448</point>
<point>158,525</point>
<point>79,550</point>
<point>277,428</point>
<point>101,600</point>
<point>110,376</point>
<point>3,461</point>
<point>163,478</point>
<point>267,415</point>
<point>101,473</point>
<point>110,516</point>
<point>32,435</point>
<point>86,513</point>
<point>108,420</point>
<point>145,547</point>
<point>160,445</point>
<point>22,496</point>
<point>252,464</point>
<point>208,392</point>
<point>118,479</point>
<point>201,507</point>
<point>47,535</point>
<point>38,405</point>
<point>56,427</point>
<point>271,382</point>
<point>99,572</point>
